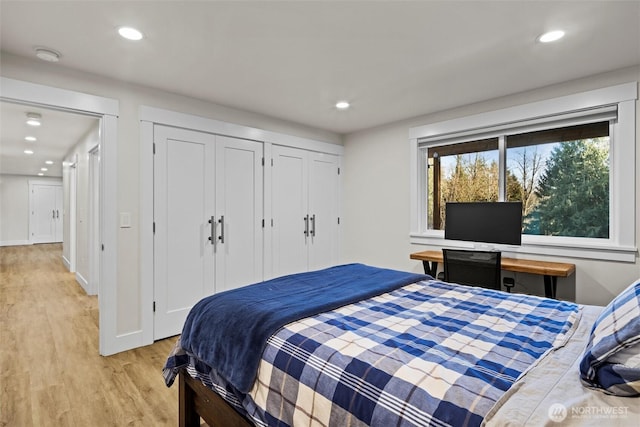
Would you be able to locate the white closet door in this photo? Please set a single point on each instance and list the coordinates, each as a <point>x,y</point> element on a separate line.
<point>239,207</point>
<point>59,222</point>
<point>323,208</point>
<point>183,204</point>
<point>43,213</point>
<point>289,210</point>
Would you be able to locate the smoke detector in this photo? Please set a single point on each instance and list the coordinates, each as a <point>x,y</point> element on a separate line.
<point>47,54</point>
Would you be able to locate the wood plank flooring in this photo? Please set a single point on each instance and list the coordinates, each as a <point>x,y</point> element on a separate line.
<point>50,371</point>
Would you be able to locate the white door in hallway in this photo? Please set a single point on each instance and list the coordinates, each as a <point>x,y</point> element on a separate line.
<point>46,213</point>
<point>183,205</point>
<point>58,234</point>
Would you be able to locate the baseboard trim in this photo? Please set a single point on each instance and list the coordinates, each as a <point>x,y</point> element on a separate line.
<point>66,263</point>
<point>124,342</point>
<point>15,243</point>
<point>83,282</point>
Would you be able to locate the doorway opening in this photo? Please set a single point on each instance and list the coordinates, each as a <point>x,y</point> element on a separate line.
<point>105,111</point>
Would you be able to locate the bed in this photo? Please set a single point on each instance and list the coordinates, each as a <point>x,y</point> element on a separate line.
<point>358,345</point>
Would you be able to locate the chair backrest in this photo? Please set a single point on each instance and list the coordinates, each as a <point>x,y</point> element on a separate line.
<point>475,268</point>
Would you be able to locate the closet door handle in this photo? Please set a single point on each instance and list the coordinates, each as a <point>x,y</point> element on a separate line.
<point>313,225</point>
<point>212,236</point>
<point>221,221</point>
<point>53,213</point>
<point>57,213</point>
<point>306,225</point>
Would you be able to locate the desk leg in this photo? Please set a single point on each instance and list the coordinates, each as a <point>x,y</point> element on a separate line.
<point>550,285</point>
<point>430,268</point>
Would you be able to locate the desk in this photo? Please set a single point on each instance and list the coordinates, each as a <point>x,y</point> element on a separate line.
<point>550,270</point>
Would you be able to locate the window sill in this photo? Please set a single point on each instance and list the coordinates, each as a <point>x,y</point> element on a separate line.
<point>601,252</point>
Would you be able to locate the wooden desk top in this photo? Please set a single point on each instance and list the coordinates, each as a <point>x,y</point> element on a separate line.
<point>546,268</point>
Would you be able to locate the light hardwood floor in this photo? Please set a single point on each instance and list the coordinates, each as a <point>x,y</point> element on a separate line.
<point>50,371</point>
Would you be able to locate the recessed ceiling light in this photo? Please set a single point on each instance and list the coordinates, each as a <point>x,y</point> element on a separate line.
<point>130,33</point>
<point>342,105</point>
<point>49,162</point>
<point>33,119</point>
<point>28,152</point>
<point>44,169</point>
<point>551,36</point>
<point>30,138</point>
<point>40,174</point>
<point>47,54</point>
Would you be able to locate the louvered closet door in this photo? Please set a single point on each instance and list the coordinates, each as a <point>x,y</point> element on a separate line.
<point>184,190</point>
<point>289,209</point>
<point>323,209</point>
<point>239,207</point>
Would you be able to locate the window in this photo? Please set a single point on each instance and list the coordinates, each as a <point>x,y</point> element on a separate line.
<point>560,175</point>
<point>570,160</point>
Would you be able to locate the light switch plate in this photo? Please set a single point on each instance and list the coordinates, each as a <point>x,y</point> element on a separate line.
<point>125,220</point>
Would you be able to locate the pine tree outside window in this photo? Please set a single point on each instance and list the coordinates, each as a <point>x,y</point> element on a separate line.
<point>562,178</point>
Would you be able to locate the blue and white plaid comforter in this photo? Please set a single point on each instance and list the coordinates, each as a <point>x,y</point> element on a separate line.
<point>427,354</point>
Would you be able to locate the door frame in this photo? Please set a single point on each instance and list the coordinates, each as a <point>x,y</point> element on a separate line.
<point>73,217</point>
<point>94,220</point>
<point>107,110</point>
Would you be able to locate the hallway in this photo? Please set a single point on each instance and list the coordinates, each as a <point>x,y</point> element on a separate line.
<point>50,371</point>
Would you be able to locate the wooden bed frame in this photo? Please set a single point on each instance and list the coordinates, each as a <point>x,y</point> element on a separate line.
<point>197,401</point>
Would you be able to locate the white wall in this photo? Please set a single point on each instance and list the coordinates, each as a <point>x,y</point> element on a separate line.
<point>79,154</point>
<point>376,197</point>
<point>14,208</point>
<point>130,98</point>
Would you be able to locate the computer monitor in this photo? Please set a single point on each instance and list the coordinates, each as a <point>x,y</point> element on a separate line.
<point>484,222</point>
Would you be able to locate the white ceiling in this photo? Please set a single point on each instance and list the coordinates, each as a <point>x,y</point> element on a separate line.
<point>293,60</point>
<point>58,132</point>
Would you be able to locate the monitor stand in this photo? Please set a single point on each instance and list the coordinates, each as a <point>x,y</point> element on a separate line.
<point>484,247</point>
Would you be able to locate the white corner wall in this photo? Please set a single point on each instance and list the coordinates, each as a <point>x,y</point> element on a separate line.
<point>376,197</point>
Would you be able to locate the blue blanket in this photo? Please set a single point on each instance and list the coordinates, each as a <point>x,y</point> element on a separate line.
<point>229,330</point>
